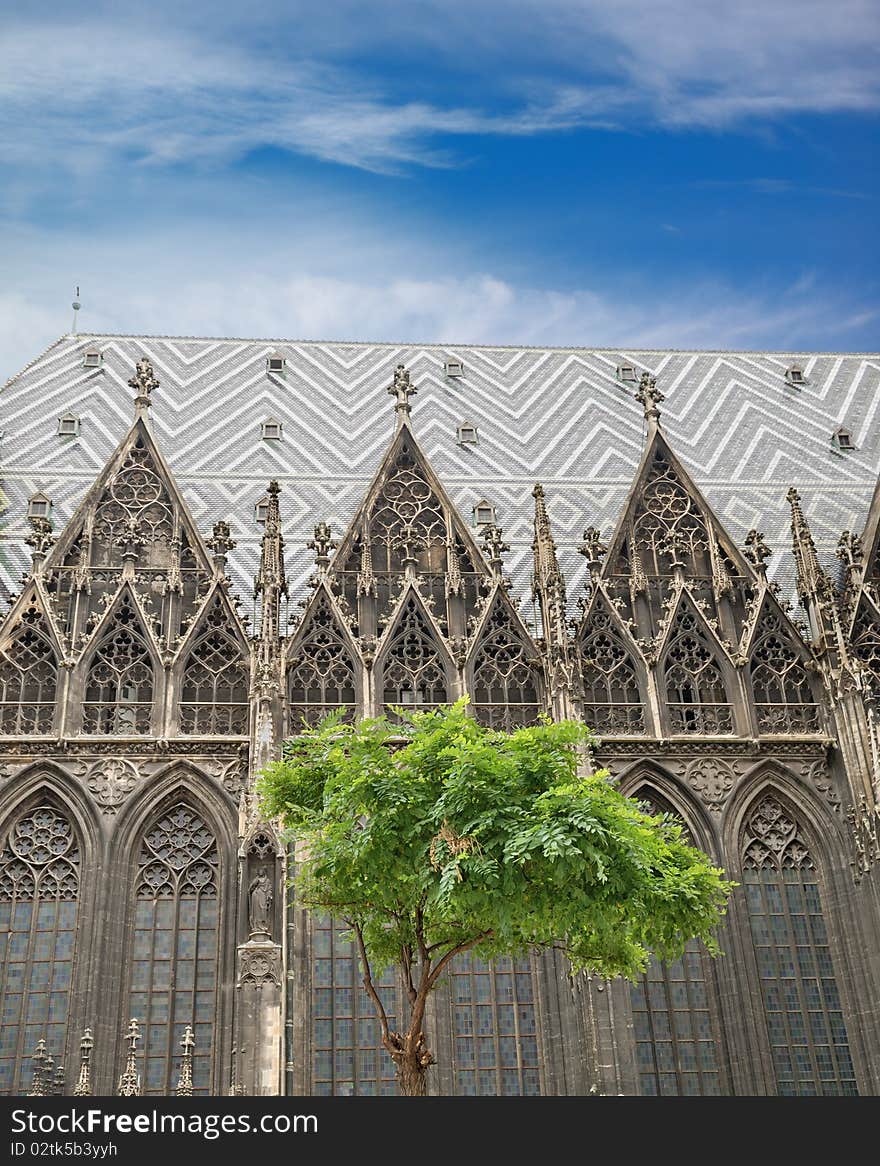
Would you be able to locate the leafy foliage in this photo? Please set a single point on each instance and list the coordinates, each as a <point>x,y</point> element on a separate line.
<point>435,835</point>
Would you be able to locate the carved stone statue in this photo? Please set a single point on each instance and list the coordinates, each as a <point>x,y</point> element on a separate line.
<point>260,904</point>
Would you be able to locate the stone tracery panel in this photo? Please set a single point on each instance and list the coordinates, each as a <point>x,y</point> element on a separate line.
<point>610,690</point>
<point>696,695</point>
<point>505,688</point>
<point>322,676</point>
<point>413,673</point>
<point>28,677</point>
<point>214,694</point>
<point>119,684</point>
<point>781,691</point>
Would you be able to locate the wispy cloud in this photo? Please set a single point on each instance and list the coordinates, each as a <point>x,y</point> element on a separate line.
<point>113,87</point>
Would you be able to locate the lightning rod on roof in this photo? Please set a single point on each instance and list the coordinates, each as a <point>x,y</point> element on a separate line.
<point>76,305</point>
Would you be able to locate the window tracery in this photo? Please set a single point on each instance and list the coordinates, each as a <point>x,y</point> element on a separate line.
<point>780,685</point>
<point>612,701</point>
<point>322,675</point>
<point>39,893</point>
<point>413,673</point>
<point>669,525</point>
<point>135,500</point>
<point>28,677</point>
<point>676,1015</point>
<point>174,955</point>
<point>214,695</point>
<point>505,688</point>
<point>696,695</point>
<point>866,641</point>
<point>119,686</point>
<point>802,1006</point>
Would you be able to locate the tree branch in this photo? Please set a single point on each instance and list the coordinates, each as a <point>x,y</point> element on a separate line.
<point>453,952</point>
<point>368,984</point>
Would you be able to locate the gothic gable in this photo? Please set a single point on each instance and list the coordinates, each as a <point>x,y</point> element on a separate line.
<point>503,678</point>
<point>612,673</point>
<point>214,672</point>
<point>323,669</point>
<point>694,672</point>
<point>29,659</point>
<point>413,667</point>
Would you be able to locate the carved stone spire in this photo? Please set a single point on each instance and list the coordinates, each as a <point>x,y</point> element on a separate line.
<point>495,547</point>
<point>756,550</point>
<point>271,582</point>
<point>649,397</point>
<point>322,544</point>
<point>549,584</point>
<point>40,538</point>
<point>402,389</point>
<point>812,582</point>
<point>220,544</point>
<point>38,1085</point>
<point>593,550</point>
<point>453,570</point>
<point>185,1084</point>
<point>143,381</point>
<point>366,580</point>
<point>130,1081</point>
<point>83,1087</point>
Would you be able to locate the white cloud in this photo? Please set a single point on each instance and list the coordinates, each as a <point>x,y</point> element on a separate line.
<point>115,87</point>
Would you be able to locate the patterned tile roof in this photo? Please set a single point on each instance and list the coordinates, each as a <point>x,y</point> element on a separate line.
<point>558,415</point>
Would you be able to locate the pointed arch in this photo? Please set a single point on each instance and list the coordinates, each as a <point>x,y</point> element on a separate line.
<point>677,1022</point>
<point>613,688</point>
<point>865,638</point>
<point>215,677</point>
<point>505,687</point>
<point>412,667</point>
<point>780,872</point>
<point>693,677</point>
<point>28,674</point>
<point>41,875</point>
<point>174,929</point>
<point>323,674</point>
<point>780,683</point>
<point>119,678</point>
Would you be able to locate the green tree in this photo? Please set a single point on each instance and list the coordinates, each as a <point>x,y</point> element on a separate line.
<point>435,836</point>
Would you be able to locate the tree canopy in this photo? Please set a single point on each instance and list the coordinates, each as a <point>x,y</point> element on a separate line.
<point>434,835</point>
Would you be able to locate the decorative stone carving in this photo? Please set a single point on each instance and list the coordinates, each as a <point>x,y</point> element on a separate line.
<point>816,773</point>
<point>712,779</point>
<point>110,782</point>
<point>260,899</point>
<point>259,964</point>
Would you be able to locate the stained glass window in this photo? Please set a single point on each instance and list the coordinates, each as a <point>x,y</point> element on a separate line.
<point>39,889</point>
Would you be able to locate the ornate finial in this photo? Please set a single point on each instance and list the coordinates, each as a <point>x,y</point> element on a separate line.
<point>592,548</point>
<point>220,543</point>
<point>185,1084</point>
<point>402,389</point>
<point>322,544</point>
<point>40,538</point>
<point>58,1081</point>
<point>649,397</point>
<point>143,381</point>
<point>38,1086</point>
<point>130,1082</point>
<point>366,580</point>
<point>83,1087</point>
<point>495,547</point>
<point>850,550</point>
<point>756,548</point>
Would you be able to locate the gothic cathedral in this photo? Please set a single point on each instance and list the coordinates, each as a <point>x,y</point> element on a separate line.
<point>149,943</point>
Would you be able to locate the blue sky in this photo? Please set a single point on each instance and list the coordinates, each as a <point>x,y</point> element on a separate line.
<point>674,173</point>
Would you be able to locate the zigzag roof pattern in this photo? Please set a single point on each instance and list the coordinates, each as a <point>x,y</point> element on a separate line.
<point>558,415</point>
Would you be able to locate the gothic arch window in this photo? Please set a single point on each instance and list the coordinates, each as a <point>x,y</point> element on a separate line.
<point>408,521</point>
<point>174,954</point>
<point>322,674</point>
<point>780,685</point>
<point>214,695</point>
<point>696,696</point>
<point>802,1006</point>
<point>40,868</point>
<point>505,687</point>
<point>119,685</point>
<point>676,1016</point>
<point>866,641</point>
<point>669,524</point>
<point>413,673</point>
<point>28,678</point>
<point>612,700</point>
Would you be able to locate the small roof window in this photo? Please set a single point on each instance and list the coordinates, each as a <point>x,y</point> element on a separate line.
<point>93,358</point>
<point>275,363</point>
<point>261,509</point>
<point>68,425</point>
<point>627,373</point>
<point>453,367</point>
<point>794,374</point>
<point>271,430</point>
<point>842,438</point>
<point>466,434</point>
<point>39,506</point>
<point>484,513</point>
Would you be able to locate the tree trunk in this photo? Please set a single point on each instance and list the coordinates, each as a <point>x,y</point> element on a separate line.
<point>411,1059</point>
<point>412,1077</point>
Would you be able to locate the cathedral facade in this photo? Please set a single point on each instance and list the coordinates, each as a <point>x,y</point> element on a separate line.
<point>207,544</point>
